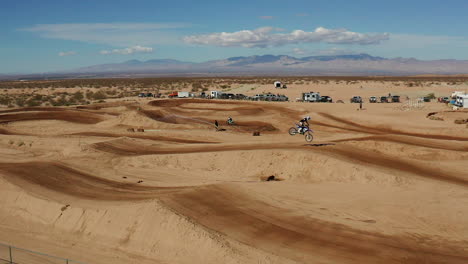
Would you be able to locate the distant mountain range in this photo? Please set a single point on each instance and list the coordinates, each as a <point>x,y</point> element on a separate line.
<point>359,64</point>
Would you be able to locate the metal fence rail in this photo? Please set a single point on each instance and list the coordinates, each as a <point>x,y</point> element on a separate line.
<point>14,255</point>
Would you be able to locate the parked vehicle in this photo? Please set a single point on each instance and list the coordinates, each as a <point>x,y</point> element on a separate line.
<point>215,94</point>
<point>311,97</point>
<point>145,95</point>
<point>384,99</point>
<point>444,99</point>
<point>395,98</point>
<point>240,97</point>
<point>356,99</point>
<point>282,98</point>
<point>270,97</point>
<point>258,97</point>
<point>426,99</point>
<point>372,99</point>
<point>326,99</point>
<point>183,94</point>
<point>461,100</point>
<point>173,94</point>
<point>227,96</point>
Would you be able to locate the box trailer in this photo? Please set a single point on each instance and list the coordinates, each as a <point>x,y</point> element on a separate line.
<point>183,94</point>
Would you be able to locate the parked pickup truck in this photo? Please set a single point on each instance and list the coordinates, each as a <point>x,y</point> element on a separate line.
<point>395,98</point>
<point>356,99</point>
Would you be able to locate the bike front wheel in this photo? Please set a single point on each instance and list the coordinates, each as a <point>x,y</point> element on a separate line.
<point>292,131</point>
<point>308,136</point>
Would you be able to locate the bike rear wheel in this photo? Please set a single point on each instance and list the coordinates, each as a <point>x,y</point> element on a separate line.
<point>292,131</point>
<point>308,136</point>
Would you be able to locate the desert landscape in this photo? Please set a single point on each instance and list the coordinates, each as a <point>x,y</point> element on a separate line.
<point>92,173</point>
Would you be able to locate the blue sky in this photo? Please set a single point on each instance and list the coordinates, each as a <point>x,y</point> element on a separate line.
<point>48,35</point>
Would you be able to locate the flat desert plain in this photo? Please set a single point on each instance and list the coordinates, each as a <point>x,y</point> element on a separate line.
<point>379,185</point>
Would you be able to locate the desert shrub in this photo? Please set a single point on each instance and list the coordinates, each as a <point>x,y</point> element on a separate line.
<point>89,94</point>
<point>20,101</point>
<point>431,96</point>
<point>99,95</point>
<point>111,92</point>
<point>31,102</point>
<point>5,100</point>
<point>78,96</point>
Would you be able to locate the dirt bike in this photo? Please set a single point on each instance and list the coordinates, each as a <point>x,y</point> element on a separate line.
<point>230,122</point>
<point>306,131</point>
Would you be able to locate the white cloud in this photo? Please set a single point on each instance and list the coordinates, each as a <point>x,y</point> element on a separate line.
<point>334,52</point>
<point>264,37</point>
<point>66,53</point>
<point>128,51</point>
<point>266,17</point>
<point>116,34</point>
<point>299,51</point>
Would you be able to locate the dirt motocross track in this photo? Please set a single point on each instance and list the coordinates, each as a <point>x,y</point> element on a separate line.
<point>373,187</point>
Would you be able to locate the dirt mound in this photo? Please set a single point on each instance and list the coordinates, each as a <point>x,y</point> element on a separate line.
<point>5,132</point>
<point>104,105</point>
<point>129,148</point>
<point>30,109</point>
<point>255,126</point>
<point>377,130</point>
<point>409,140</point>
<point>269,228</point>
<point>70,116</point>
<point>63,179</point>
<point>355,154</point>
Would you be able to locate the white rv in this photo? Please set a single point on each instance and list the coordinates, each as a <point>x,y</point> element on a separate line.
<point>457,93</point>
<point>277,84</point>
<point>311,97</point>
<point>461,100</point>
<point>215,94</point>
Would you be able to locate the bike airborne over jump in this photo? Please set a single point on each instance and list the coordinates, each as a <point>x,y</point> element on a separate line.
<point>306,131</point>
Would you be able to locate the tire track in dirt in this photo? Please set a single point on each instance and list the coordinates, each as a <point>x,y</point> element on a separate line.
<point>376,130</point>
<point>174,106</point>
<point>43,177</point>
<point>410,140</point>
<point>150,137</point>
<point>346,153</point>
<point>33,109</point>
<point>353,155</point>
<point>244,126</point>
<point>270,228</point>
<point>69,116</point>
<point>125,148</point>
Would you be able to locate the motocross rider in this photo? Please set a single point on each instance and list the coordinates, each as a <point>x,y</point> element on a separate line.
<point>303,124</point>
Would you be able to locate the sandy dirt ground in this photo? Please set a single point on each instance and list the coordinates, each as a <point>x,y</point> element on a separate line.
<point>378,185</point>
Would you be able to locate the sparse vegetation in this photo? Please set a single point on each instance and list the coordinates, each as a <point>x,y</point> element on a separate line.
<point>431,96</point>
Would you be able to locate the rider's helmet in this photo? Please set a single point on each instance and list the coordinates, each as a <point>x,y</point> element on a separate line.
<point>307,118</point>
